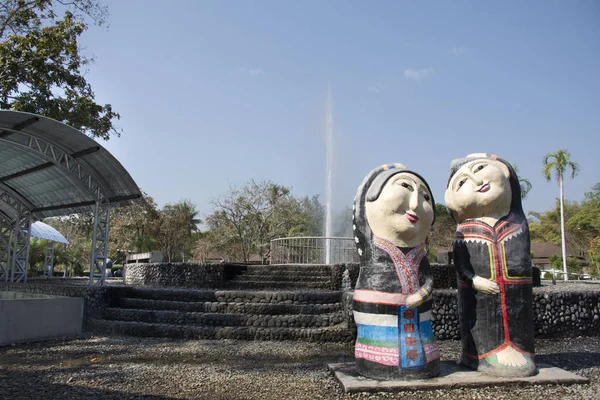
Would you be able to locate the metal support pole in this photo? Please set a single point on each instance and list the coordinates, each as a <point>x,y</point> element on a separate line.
<point>6,234</point>
<point>100,243</point>
<point>49,262</point>
<point>20,258</point>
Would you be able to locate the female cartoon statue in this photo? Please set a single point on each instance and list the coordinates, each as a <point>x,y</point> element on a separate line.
<point>393,212</point>
<point>491,254</point>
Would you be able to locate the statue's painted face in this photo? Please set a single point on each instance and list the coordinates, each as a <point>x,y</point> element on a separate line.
<point>480,188</point>
<point>403,212</point>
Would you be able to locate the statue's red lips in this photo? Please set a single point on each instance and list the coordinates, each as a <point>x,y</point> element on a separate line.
<point>484,188</point>
<point>411,217</point>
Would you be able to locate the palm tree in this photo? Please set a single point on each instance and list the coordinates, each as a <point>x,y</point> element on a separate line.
<point>559,162</point>
<point>190,216</point>
<point>523,182</point>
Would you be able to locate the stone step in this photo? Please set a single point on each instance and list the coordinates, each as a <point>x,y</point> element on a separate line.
<point>232,296</point>
<point>285,276</point>
<point>230,308</point>
<point>337,333</point>
<point>290,268</point>
<point>265,284</point>
<point>223,320</point>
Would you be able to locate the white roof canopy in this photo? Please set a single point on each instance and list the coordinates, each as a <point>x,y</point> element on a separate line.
<point>53,169</point>
<point>41,230</point>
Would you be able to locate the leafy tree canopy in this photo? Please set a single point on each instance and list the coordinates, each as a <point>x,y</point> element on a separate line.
<point>246,220</point>
<point>442,232</point>
<point>42,68</point>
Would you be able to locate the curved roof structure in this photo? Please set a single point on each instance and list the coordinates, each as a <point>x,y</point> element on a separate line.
<point>41,230</point>
<point>53,169</point>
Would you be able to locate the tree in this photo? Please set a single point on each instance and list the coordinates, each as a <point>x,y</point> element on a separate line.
<point>586,223</point>
<point>525,184</point>
<point>545,226</point>
<point>253,216</point>
<point>77,229</point>
<point>314,212</point>
<point>190,216</point>
<point>41,67</point>
<point>581,221</point>
<point>175,224</point>
<point>245,221</point>
<point>342,223</point>
<point>594,253</point>
<point>442,232</point>
<point>587,217</point>
<point>556,262</point>
<point>133,229</point>
<point>559,163</point>
<point>37,254</point>
<point>203,246</point>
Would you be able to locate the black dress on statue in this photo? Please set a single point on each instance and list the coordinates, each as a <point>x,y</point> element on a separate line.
<point>491,323</point>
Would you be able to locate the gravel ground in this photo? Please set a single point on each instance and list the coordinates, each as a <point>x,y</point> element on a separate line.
<point>119,367</point>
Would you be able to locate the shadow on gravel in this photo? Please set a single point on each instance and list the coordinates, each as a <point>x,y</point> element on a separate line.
<point>570,361</point>
<point>37,385</point>
<point>252,362</point>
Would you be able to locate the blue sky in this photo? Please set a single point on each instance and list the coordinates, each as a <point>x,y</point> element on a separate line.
<point>214,93</point>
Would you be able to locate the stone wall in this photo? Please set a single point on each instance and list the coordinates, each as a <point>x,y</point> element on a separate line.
<point>567,313</point>
<point>556,313</point>
<point>562,310</point>
<point>338,271</point>
<point>188,275</point>
<point>214,276</point>
<point>95,299</point>
<point>444,276</point>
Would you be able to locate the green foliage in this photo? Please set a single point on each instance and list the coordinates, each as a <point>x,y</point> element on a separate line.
<point>312,213</point>
<point>78,269</point>
<point>442,232</point>
<point>587,217</point>
<point>594,250</point>
<point>545,226</point>
<point>558,163</point>
<point>525,184</point>
<point>176,223</point>
<point>573,265</point>
<point>133,229</point>
<point>37,254</point>
<point>342,223</point>
<point>246,220</point>
<point>77,229</point>
<point>41,67</point>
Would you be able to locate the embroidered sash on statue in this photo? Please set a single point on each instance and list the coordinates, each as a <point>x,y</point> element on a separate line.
<point>407,268</point>
<point>407,265</point>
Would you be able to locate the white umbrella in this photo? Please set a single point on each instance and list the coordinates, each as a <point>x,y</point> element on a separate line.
<point>45,231</point>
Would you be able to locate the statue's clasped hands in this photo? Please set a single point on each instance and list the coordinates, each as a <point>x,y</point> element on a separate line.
<point>414,300</point>
<point>485,286</point>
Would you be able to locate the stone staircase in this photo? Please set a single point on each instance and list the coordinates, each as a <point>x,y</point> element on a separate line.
<point>282,277</point>
<point>260,303</point>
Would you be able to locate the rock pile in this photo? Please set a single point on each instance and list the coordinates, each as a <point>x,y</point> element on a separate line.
<point>444,315</point>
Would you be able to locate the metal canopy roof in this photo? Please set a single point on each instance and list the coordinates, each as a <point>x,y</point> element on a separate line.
<point>53,169</point>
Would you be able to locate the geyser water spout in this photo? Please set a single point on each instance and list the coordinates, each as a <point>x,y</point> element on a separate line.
<point>329,173</point>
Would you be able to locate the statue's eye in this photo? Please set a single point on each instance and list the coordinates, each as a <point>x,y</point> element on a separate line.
<point>462,182</point>
<point>406,185</point>
<point>480,167</point>
<point>426,197</point>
